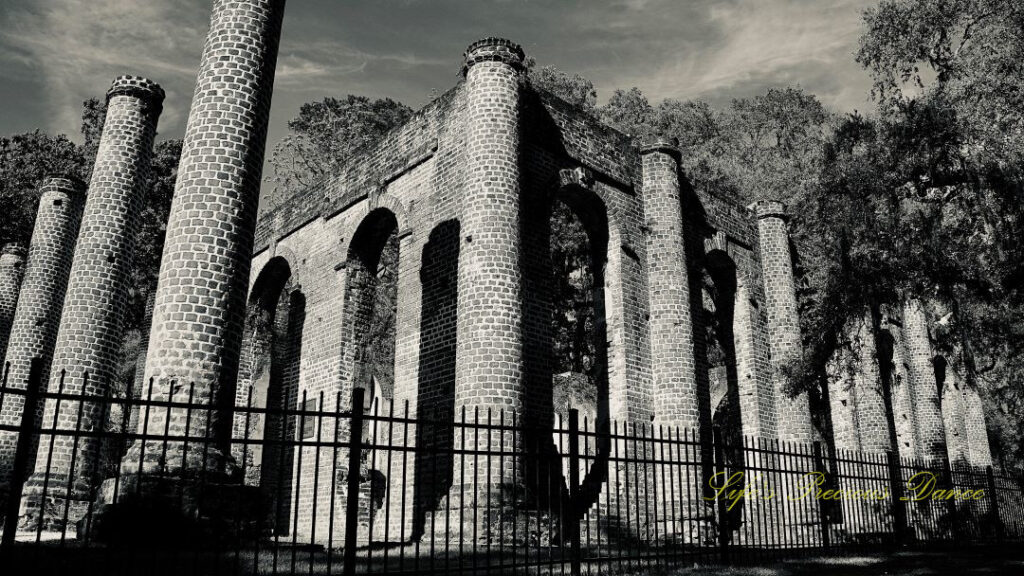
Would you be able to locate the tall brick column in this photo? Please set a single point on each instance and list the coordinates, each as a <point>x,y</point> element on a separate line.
<point>671,328</point>
<point>489,342</point>
<point>979,452</point>
<point>12,269</point>
<point>197,322</point>
<point>34,328</point>
<point>489,364</point>
<point>931,433</point>
<point>86,355</point>
<point>673,360</point>
<point>794,418</point>
<point>872,417</point>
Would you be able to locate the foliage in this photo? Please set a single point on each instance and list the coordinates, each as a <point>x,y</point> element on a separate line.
<point>327,133</point>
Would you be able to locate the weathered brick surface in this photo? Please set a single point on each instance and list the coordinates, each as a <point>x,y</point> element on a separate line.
<point>671,326</point>
<point>894,372</point>
<point>86,354</point>
<point>200,302</point>
<point>978,451</point>
<point>783,319</point>
<point>927,406</point>
<point>873,421</point>
<point>41,299</point>
<point>12,270</point>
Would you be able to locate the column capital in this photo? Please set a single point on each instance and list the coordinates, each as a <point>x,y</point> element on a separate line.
<point>769,209</point>
<point>494,50</point>
<point>65,183</point>
<point>14,249</point>
<point>662,144</point>
<point>138,87</point>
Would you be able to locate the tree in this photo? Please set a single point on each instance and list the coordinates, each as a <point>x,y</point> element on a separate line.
<point>327,133</point>
<point>572,88</point>
<point>25,160</point>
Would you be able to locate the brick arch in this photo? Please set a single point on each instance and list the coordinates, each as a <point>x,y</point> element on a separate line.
<point>269,379</point>
<point>363,252</point>
<point>574,188</point>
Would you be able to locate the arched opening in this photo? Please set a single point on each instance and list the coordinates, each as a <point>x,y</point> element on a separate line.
<point>372,303</point>
<point>719,292</point>
<point>719,296</point>
<point>579,247</point>
<point>269,379</point>
<point>578,256</point>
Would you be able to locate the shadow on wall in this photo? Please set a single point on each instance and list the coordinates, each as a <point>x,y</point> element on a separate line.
<point>436,391</point>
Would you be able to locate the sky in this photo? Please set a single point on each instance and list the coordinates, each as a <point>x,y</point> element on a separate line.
<point>54,54</point>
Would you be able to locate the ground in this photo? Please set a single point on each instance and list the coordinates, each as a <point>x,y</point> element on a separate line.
<point>984,560</point>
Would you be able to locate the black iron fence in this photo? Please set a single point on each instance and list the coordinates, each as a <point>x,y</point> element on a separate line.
<point>114,483</point>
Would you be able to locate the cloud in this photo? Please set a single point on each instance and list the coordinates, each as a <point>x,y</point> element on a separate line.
<point>77,47</point>
<point>56,53</point>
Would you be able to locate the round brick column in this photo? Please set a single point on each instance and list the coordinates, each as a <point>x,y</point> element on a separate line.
<point>489,364</point>
<point>86,355</point>
<point>673,365</point>
<point>12,269</point>
<point>931,433</point>
<point>979,452</point>
<point>197,322</point>
<point>873,425</point>
<point>489,342</point>
<point>784,341</point>
<point>37,318</point>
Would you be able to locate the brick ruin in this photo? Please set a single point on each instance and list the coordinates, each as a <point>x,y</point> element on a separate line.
<point>696,295</point>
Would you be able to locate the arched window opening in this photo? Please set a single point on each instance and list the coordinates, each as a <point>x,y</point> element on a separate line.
<point>269,379</point>
<point>373,298</point>
<point>578,250</point>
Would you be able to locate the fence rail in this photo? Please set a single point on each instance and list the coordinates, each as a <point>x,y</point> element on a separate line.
<point>103,482</point>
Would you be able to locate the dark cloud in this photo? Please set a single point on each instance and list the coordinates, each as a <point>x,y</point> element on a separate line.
<point>56,53</point>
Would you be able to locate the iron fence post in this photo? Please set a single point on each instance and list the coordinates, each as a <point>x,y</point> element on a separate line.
<point>950,484</point>
<point>997,522</point>
<point>718,451</point>
<point>21,454</point>
<point>823,511</point>
<point>899,507</point>
<point>352,502</point>
<point>575,508</point>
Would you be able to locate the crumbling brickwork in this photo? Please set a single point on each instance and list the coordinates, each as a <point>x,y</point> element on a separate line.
<point>87,351</point>
<point>41,299</point>
<point>12,270</point>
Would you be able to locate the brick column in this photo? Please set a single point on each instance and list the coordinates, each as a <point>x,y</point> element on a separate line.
<point>197,322</point>
<point>794,416</point>
<point>872,417</point>
<point>88,347</point>
<point>489,370</point>
<point>12,269</point>
<point>671,329</point>
<point>931,434</point>
<point>35,323</point>
<point>489,365</point>
<point>978,450</point>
